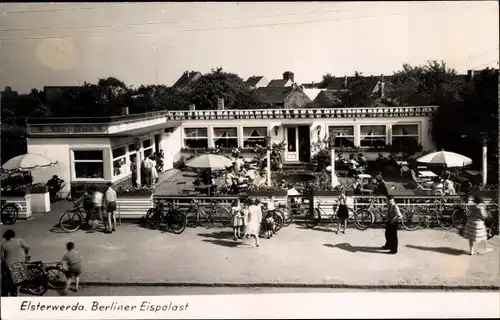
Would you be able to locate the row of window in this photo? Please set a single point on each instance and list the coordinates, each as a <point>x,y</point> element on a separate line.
<point>371,136</point>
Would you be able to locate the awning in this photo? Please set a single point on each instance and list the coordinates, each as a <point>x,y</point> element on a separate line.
<point>295,124</point>
<point>146,130</point>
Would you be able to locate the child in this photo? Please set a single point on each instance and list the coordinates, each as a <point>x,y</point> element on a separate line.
<point>244,220</point>
<point>74,266</point>
<point>269,224</point>
<point>237,219</point>
<point>342,211</point>
<point>271,208</point>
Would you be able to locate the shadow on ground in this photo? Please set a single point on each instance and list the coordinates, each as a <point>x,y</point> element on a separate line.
<point>445,250</point>
<point>221,238</point>
<point>353,249</point>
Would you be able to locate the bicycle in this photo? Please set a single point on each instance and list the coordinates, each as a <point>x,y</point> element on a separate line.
<point>39,280</point>
<point>215,214</point>
<point>72,220</point>
<point>286,214</point>
<point>277,217</point>
<point>366,217</point>
<point>10,212</point>
<point>312,219</point>
<point>171,219</point>
<point>413,218</point>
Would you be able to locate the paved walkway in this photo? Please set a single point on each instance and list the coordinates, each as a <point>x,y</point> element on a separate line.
<point>297,256</point>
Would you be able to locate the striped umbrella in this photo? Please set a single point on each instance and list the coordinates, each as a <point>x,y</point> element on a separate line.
<point>449,159</point>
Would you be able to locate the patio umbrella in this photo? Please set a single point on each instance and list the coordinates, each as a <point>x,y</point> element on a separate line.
<point>449,159</point>
<point>211,161</point>
<point>28,162</point>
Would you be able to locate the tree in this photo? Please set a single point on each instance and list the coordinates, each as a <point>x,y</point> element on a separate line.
<point>159,97</point>
<point>358,92</point>
<point>228,86</point>
<point>327,80</point>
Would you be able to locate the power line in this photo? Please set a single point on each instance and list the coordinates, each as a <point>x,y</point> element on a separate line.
<point>172,22</point>
<point>212,29</point>
<point>484,65</point>
<point>78,9</point>
<point>474,55</point>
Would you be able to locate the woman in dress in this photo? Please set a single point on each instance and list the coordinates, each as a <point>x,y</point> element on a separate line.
<point>254,221</point>
<point>13,257</point>
<point>342,212</point>
<point>237,219</point>
<point>475,230</point>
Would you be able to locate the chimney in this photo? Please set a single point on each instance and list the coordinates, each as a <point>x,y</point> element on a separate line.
<point>220,104</point>
<point>289,75</point>
<point>470,75</point>
<point>382,87</point>
<point>192,107</point>
<point>345,82</point>
<point>125,111</point>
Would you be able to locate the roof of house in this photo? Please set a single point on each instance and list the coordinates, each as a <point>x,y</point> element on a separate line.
<point>274,94</point>
<point>312,93</point>
<point>187,78</point>
<point>253,81</point>
<point>329,98</point>
<point>277,83</point>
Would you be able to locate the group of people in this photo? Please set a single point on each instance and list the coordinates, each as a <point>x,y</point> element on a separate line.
<point>249,220</point>
<point>443,185</point>
<point>100,206</point>
<point>376,186</point>
<point>151,167</point>
<point>14,257</point>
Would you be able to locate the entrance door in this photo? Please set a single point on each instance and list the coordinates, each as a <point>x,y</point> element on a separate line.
<point>304,138</point>
<point>292,146</point>
<point>157,142</point>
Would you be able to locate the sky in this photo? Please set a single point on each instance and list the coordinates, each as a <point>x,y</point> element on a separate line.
<point>66,44</point>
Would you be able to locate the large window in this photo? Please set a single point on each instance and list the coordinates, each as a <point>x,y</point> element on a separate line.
<point>373,136</point>
<point>119,161</point>
<point>254,137</point>
<point>89,164</point>
<point>147,146</point>
<point>405,136</point>
<point>343,135</point>
<point>196,138</point>
<point>225,137</point>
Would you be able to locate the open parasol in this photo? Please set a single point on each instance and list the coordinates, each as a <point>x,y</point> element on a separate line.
<point>211,161</point>
<point>449,159</point>
<point>28,162</point>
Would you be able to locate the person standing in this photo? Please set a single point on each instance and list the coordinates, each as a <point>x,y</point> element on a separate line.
<point>13,254</point>
<point>237,219</point>
<point>97,198</point>
<point>254,221</point>
<point>111,198</point>
<point>391,229</point>
<point>342,212</point>
<point>475,229</point>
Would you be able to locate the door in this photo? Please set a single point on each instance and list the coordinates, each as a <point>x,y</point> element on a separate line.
<point>157,142</point>
<point>291,152</point>
<point>304,138</point>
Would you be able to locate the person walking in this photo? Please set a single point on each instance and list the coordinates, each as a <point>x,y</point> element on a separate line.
<point>342,211</point>
<point>13,252</point>
<point>391,229</point>
<point>475,229</point>
<point>111,198</point>
<point>73,262</point>
<point>254,221</point>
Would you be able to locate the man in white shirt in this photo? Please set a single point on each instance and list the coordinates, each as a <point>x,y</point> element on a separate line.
<point>110,208</point>
<point>238,164</point>
<point>97,201</point>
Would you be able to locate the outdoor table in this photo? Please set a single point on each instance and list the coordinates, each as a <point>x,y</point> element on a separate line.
<point>426,174</point>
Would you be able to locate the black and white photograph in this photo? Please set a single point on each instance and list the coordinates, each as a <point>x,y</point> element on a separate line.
<point>244,149</point>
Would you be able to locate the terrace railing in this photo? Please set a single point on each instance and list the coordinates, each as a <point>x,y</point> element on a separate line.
<point>421,111</point>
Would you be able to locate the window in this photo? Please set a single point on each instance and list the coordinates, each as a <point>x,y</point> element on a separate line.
<point>147,148</point>
<point>373,136</point>
<point>405,136</point>
<point>196,138</point>
<point>292,139</point>
<point>132,147</point>
<point>119,161</point>
<point>89,164</point>
<point>342,135</point>
<point>225,137</point>
<point>254,137</point>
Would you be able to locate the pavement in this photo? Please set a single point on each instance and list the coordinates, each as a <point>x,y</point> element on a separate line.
<point>297,257</point>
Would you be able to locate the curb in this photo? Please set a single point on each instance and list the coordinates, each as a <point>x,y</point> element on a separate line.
<point>293,285</point>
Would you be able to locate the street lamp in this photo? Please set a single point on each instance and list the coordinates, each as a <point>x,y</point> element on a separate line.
<point>484,142</point>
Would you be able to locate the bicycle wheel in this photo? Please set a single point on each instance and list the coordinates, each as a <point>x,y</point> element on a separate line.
<point>278,221</point>
<point>9,213</point>
<point>458,218</point>
<point>57,277</point>
<point>287,216</point>
<point>363,219</point>
<point>411,219</point>
<point>444,218</point>
<point>311,218</point>
<point>492,230</point>
<point>192,217</point>
<point>221,216</point>
<point>71,221</point>
<point>153,218</point>
<point>178,222</point>
<point>39,283</point>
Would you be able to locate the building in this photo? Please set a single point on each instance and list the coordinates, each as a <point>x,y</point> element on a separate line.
<point>287,81</point>
<point>187,78</point>
<point>101,150</point>
<point>284,97</point>
<point>255,82</point>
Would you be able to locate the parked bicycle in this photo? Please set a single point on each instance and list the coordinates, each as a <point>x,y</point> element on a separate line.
<point>315,217</point>
<point>286,214</point>
<point>166,217</point>
<point>277,217</point>
<point>421,215</point>
<point>10,212</point>
<point>375,212</point>
<point>74,219</point>
<point>214,215</point>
